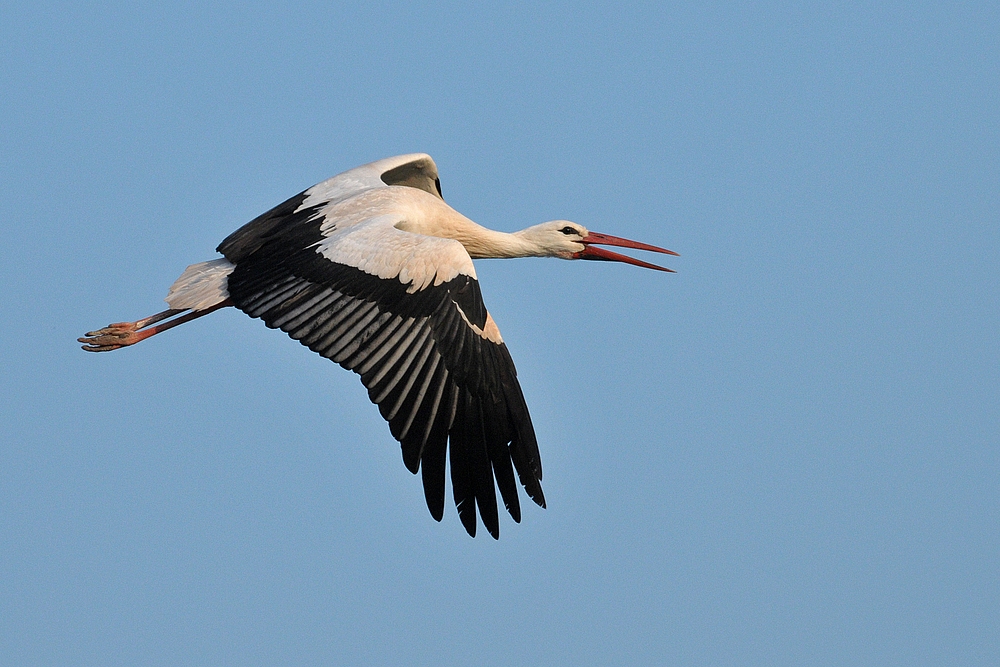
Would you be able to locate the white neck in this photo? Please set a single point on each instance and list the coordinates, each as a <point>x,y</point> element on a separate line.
<point>485,243</point>
<point>479,242</point>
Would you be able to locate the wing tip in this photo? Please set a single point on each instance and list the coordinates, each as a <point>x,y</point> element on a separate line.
<point>467,513</point>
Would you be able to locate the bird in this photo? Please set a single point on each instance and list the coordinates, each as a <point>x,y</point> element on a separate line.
<point>373,270</point>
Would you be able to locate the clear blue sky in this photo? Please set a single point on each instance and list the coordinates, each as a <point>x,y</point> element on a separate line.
<point>785,454</point>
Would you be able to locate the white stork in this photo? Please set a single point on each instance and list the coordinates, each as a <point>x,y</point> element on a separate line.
<point>373,270</point>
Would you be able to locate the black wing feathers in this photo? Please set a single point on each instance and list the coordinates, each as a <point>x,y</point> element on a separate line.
<point>255,233</point>
<point>434,379</point>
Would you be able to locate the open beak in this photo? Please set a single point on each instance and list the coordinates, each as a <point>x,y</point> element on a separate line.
<point>590,252</point>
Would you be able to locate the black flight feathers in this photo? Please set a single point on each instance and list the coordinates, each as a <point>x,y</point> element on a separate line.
<point>445,390</point>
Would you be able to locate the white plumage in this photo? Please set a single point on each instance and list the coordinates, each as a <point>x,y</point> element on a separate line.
<point>201,286</point>
<point>373,270</point>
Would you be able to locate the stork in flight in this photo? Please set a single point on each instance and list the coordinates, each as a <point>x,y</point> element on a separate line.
<point>373,270</point>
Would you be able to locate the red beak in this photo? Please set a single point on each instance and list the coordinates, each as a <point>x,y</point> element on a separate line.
<point>590,252</point>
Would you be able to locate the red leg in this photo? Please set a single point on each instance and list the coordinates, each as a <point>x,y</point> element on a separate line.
<point>121,334</point>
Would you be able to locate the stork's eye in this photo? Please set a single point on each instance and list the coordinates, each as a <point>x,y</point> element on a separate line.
<point>568,230</point>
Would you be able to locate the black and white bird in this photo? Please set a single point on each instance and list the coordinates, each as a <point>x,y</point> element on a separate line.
<point>373,270</point>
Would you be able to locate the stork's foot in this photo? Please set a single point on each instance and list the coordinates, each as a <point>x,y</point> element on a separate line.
<point>123,334</point>
<point>113,337</point>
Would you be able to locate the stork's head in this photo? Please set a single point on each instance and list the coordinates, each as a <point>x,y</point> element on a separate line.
<point>569,240</point>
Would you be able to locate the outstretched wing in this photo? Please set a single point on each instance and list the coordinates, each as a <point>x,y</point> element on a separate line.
<point>408,317</point>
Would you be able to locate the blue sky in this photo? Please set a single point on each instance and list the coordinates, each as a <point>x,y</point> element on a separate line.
<point>784,454</point>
